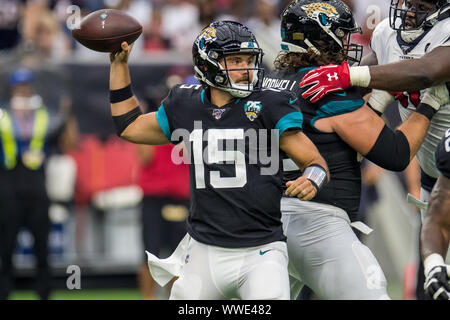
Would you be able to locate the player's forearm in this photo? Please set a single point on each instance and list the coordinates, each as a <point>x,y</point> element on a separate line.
<point>415,129</point>
<point>435,233</point>
<point>119,79</point>
<point>119,75</point>
<point>310,159</point>
<point>433,239</point>
<point>401,76</point>
<point>302,151</point>
<point>417,74</point>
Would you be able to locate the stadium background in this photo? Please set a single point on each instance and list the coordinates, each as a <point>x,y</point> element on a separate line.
<point>102,236</point>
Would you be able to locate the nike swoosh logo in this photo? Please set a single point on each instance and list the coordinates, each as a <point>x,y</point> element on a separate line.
<point>343,94</point>
<point>292,101</point>
<point>263,252</point>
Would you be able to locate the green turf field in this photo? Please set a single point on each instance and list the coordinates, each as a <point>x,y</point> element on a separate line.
<point>394,291</point>
<point>91,294</point>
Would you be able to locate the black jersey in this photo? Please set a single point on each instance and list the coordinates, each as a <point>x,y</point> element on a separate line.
<point>442,155</point>
<point>344,188</point>
<point>232,203</point>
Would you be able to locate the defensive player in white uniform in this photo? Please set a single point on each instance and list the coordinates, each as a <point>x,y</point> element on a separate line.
<point>390,45</point>
<point>431,69</point>
<point>412,31</point>
<point>415,30</point>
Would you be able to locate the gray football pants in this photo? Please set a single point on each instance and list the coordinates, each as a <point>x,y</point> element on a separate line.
<point>325,254</point>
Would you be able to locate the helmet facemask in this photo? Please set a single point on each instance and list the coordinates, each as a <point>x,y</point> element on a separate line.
<point>413,18</point>
<point>352,51</point>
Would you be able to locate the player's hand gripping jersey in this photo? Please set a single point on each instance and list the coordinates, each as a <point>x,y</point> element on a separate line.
<point>230,197</point>
<point>344,188</point>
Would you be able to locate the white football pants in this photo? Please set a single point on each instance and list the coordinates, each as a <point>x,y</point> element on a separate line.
<point>325,254</point>
<point>210,272</point>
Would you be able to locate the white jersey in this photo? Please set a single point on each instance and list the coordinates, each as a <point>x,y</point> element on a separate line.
<point>389,47</point>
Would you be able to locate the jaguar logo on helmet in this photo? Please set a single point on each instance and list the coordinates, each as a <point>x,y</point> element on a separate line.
<point>320,26</point>
<point>208,35</point>
<point>320,7</point>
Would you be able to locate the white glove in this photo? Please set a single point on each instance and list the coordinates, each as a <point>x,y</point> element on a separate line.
<point>379,100</point>
<point>436,96</point>
<point>437,282</point>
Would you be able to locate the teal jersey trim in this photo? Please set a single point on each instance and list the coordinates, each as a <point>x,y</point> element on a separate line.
<point>202,96</point>
<point>335,108</point>
<point>291,120</point>
<point>307,69</point>
<point>161,117</point>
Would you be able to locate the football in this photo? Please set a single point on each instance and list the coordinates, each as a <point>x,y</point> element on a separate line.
<point>104,30</point>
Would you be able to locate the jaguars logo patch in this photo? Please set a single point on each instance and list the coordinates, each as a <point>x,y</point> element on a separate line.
<point>208,35</point>
<point>252,109</point>
<point>320,7</point>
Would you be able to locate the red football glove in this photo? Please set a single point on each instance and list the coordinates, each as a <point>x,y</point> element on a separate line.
<point>325,80</point>
<point>405,97</point>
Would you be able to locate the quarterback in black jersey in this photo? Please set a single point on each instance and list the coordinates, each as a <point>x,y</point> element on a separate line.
<point>435,233</point>
<point>316,33</point>
<point>233,132</point>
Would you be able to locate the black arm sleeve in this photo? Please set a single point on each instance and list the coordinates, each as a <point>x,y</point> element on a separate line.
<point>123,121</point>
<point>391,150</point>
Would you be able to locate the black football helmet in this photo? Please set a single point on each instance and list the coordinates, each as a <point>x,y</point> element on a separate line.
<point>424,17</point>
<point>304,22</point>
<point>219,39</point>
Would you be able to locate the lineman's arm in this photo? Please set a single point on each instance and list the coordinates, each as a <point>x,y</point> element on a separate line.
<point>435,233</point>
<point>138,128</point>
<point>411,75</point>
<point>305,154</point>
<point>367,133</point>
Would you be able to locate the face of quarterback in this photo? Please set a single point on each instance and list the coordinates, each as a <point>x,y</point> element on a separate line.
<point>237,65</point>
<point>418,5</point>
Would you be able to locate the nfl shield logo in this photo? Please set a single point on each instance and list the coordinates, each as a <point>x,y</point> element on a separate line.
<point>252,109</point>
<point>217,113</point>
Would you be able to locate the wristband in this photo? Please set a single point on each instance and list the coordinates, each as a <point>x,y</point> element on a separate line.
<point>317,175</point>
<point>120,95</point>
<point>427,110</point>
<point>360,76</point>
<point>433,260</point>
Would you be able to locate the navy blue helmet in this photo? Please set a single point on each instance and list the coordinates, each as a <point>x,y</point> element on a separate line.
<point>216,41</point>
<point>305,22</point>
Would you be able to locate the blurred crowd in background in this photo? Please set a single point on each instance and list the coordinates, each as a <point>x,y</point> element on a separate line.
<point>42,26</point>
<point>95,177</point>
